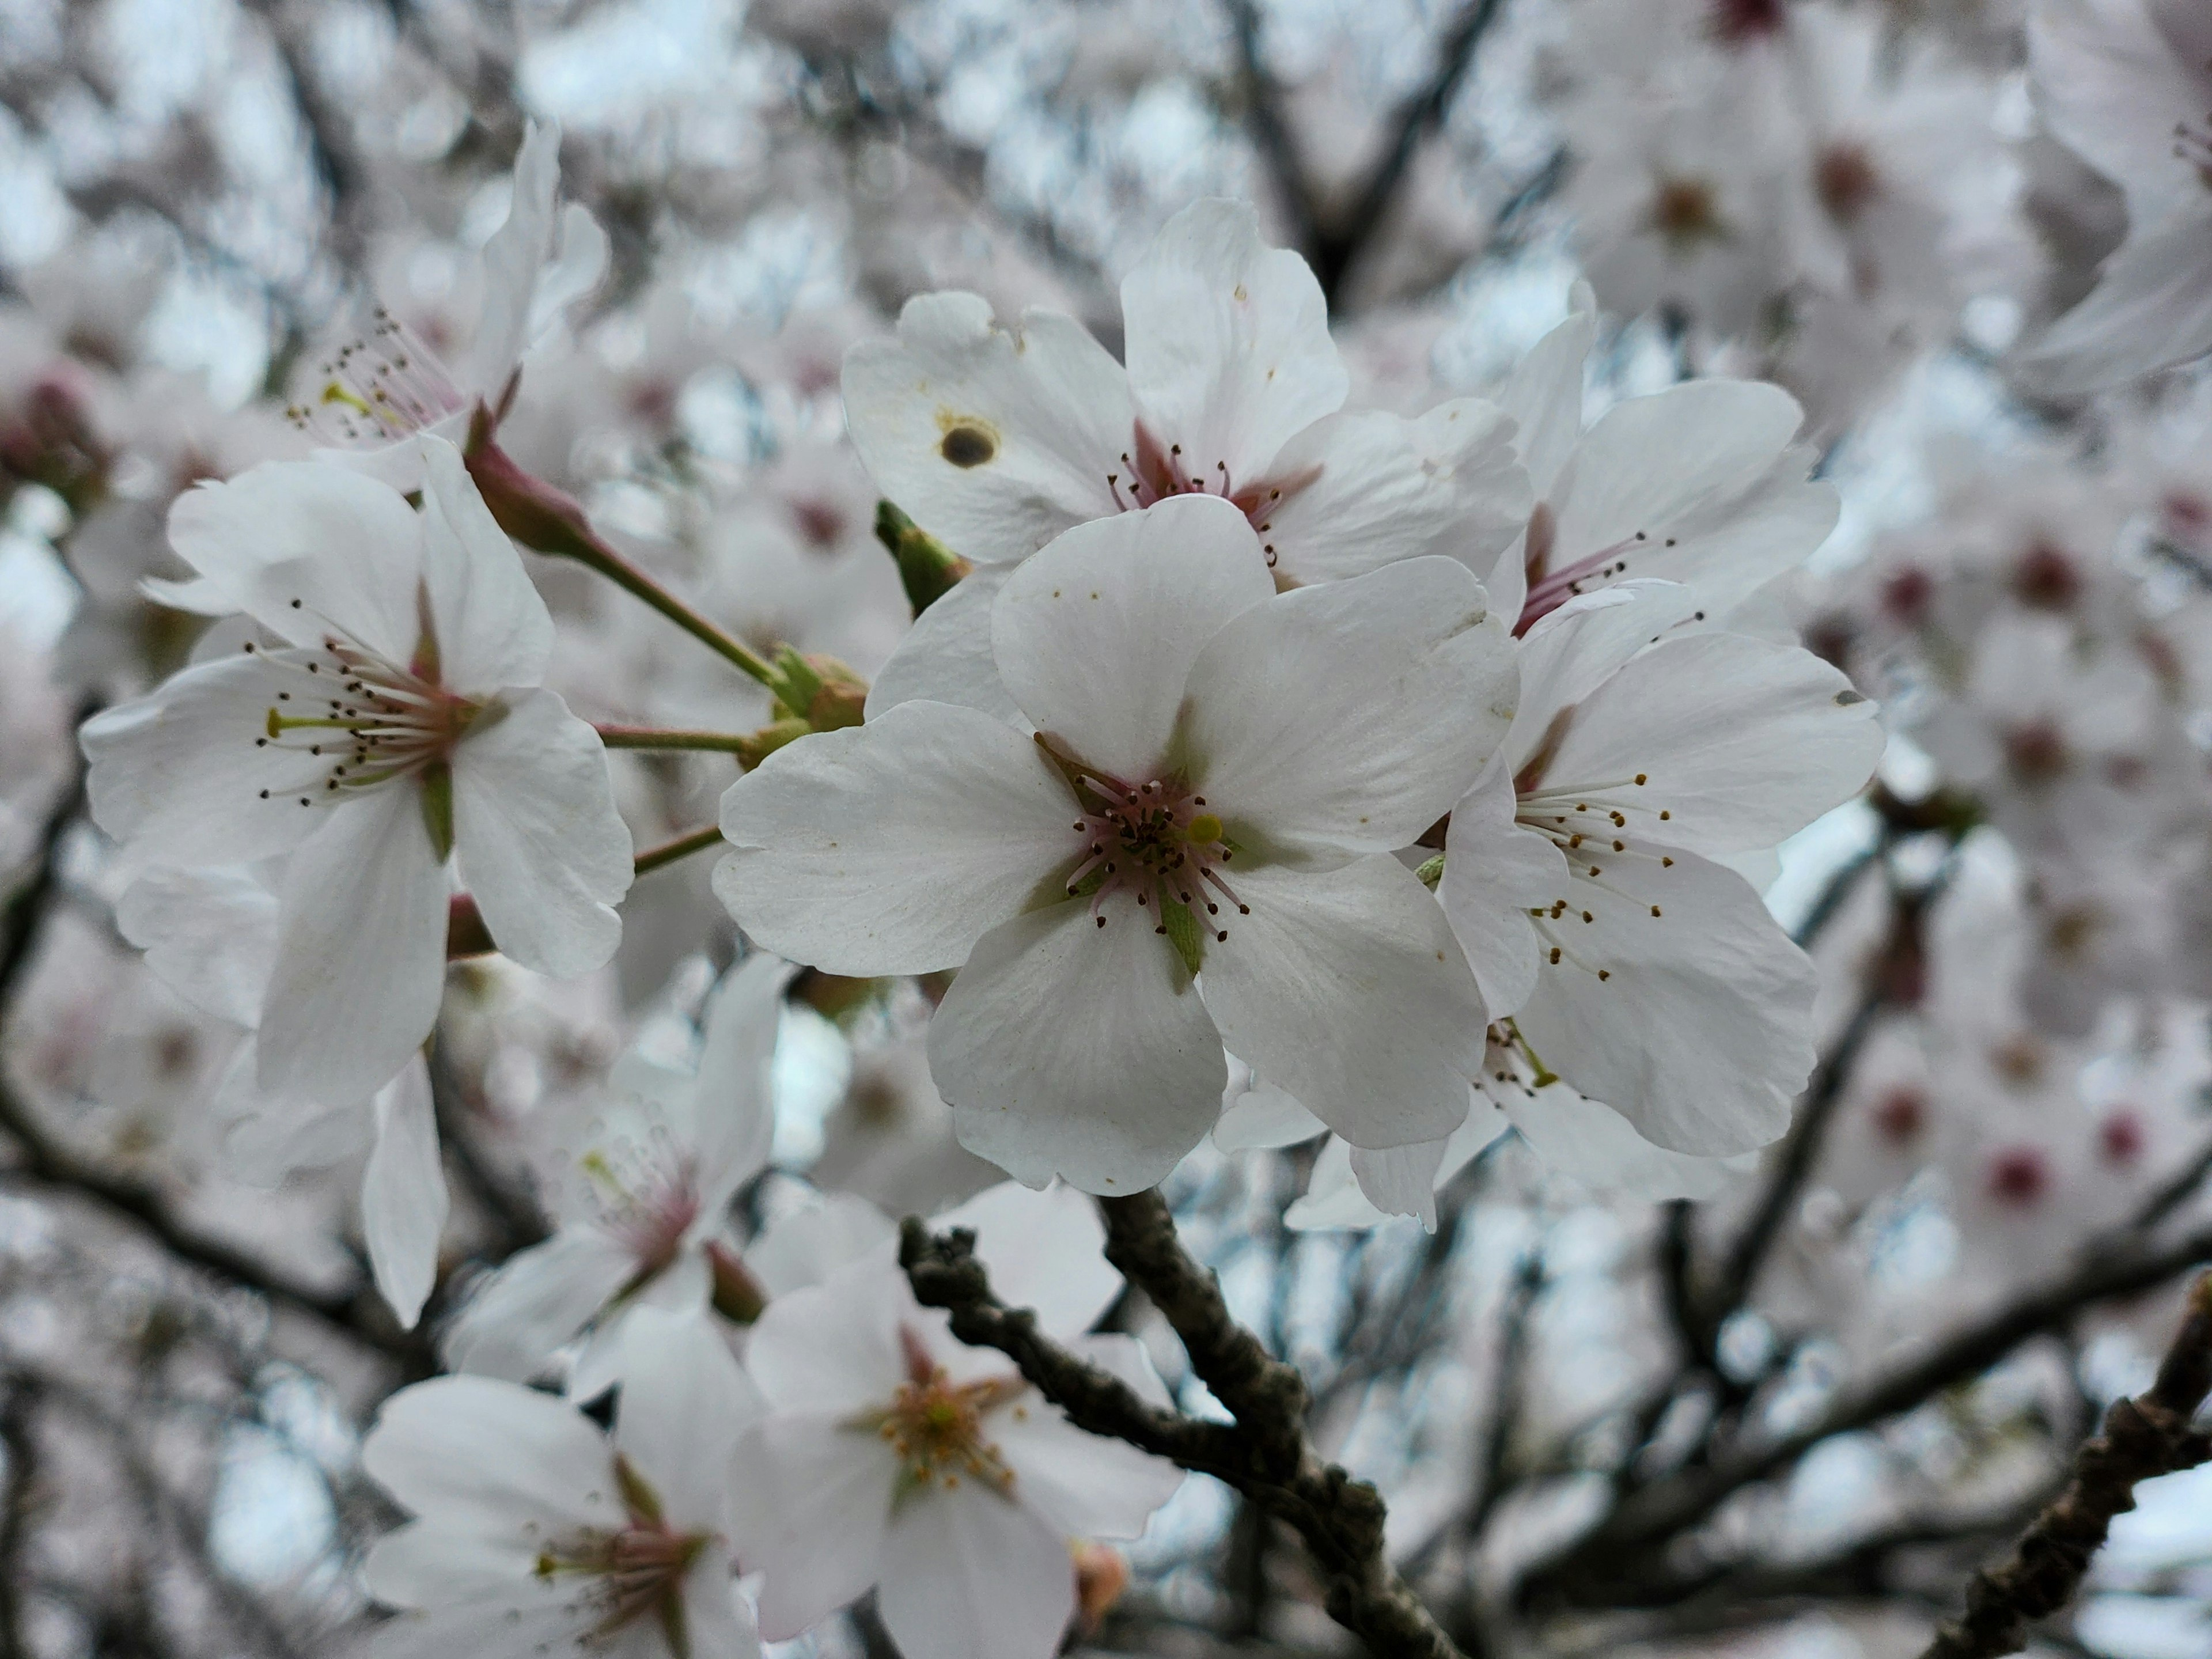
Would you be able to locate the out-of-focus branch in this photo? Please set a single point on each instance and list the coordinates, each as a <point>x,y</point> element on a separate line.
<point>1334,244</point>
<point>45,1161</point>
<point>1590,1570</point>
<point>331,148</point>
<point>505,1202</point>
<point>2144,1437</point>
<point>1264,1454</point>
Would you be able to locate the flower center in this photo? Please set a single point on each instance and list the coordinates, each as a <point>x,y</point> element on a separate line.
<point>936,1426</point>
<point>1847,180</point>
<point>649,1199</point>
<point>1686,212</point>
<point>1153,473</point>
<point>378,389</point>
<point>1590,824</point>
<point>1549,589</point>
<point>631,1572</point>
<point>1156,841</point>
<point>359,721</point>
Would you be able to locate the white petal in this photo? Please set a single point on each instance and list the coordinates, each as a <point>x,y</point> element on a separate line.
<point>1346,986</point>
<point>1597,1146</point>
<point>1384,488</point>
<point>1701,1034</point>
<point>538,1299</point>
<point>970,1574</point>
<point>1407,1180</point>
<point>685,1403</point>
<point>1068,1050</point>
<point>541,846</point>
<point>1228,342</point>
<point>891,848</point>
<point>809,1503</point>
<point>480,1455</point>
<point>1266,1115</point>
<point>402,1195</point>
<point>493,630</point>
<point>993,440</point>
<point>186,776</point>
<point>834,1347</point>
<point>534,1619</point>
<point>1544,397</point>
<point>361,961</point>
<point>1571,651</point>
<point>1494,873</point>
<point>430,1563</point>
<point>718,1620</point>
<point>945,657</point>
<point>1401,1179</point>
<point>1044,1251</point>
<point>2150,307</point>
<point>1082,1486</point>
<point>805,1246</point>
<point>1743,743</point>
<point>734,1119</point>
<point>511,260</point>
<point>347,548</point>
<point>1096,634</point>
<point>1332,1198</point>
<point>208,935</point>
<point>265,1137</point>
<point>1349,717</point>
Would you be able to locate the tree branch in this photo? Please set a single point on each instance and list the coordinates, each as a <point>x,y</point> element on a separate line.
<point>1264,1454</point>
<point>2144,1437</point>
<point>1590,1570</point>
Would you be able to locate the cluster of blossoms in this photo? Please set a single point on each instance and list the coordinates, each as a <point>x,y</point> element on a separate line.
<point>1248,759</point>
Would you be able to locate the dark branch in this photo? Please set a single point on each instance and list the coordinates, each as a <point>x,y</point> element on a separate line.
<point>1589,1569</point>
<point>2144,1437</point>
<point>1264,1454</point>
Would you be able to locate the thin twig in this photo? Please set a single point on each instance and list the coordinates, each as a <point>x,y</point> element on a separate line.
<point>1589,1570</point>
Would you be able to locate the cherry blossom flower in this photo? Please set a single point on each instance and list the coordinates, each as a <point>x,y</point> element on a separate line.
<point>893,1456</point>
<point>1219,776</point>
<point>397,719</point>
<point>996,441</point>
<point>369,396</point>
<point>1701,484</point>
<point>536,1533</point>
<point>1584,872</point>
<point>640,1225</point>
<point>2128,85</point>
<point>212,936</point>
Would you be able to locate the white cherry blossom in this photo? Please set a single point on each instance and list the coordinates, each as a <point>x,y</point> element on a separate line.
<point>1702,484</point>
<point>996,439</point>
<point>539,1534</point>
<point>397,719</point>
<point>894,1456</point>
<point>211,936</point>
<point>370,395</point>
<point>1584,872</point>
<point>2127,84</point>
<point>1218,779</point>
<point>641,1220</point>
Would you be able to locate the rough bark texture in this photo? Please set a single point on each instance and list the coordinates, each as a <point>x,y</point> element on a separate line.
<point>2144,1437</point>
<point>1264,1454</point>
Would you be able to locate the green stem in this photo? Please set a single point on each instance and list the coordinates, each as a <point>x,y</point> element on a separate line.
<point>551,521</point>
<point>589,550</point>
<point>683,847</point>
<point>647,736</point>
